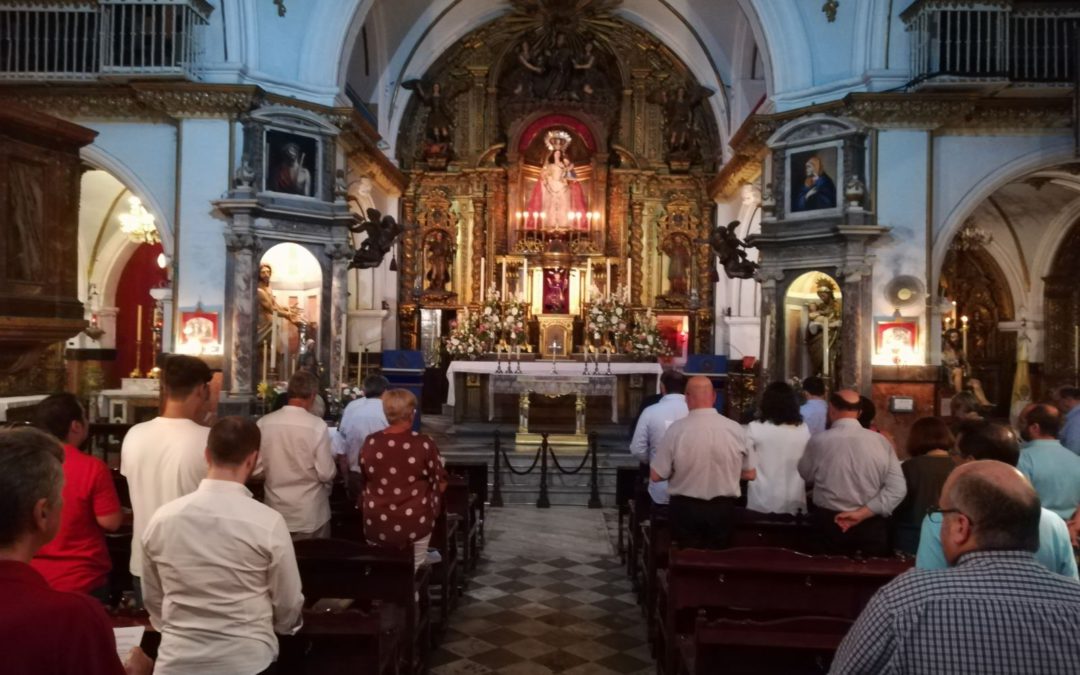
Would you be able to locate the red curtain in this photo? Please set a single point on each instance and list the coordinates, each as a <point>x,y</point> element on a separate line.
<point>140,275</point>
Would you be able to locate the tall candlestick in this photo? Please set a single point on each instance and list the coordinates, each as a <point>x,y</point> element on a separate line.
<point>607,278</point>
<point>138,323</point>
<point>483,277</point>
<point>273,342</point>
<point>503,285</point>
<point>964,333</point>
<point>265,362</point>
<point>524,279</point>
<point>825,349</point>
<point>588,281</point>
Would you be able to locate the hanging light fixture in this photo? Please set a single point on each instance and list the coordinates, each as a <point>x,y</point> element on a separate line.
<point>138,223</point>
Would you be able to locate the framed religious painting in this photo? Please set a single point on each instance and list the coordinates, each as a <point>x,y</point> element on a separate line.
<point>896,339</point>
<point>291,164</point>
<point>200,330</point>
<point>814,176</point>
<point>675,331</point>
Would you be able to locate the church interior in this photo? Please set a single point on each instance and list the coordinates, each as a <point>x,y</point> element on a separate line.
<point>527,213</point>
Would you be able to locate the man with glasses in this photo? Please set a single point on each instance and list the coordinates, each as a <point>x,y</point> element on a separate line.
<point>996,610</point>
<point>163,459</point>
<point>980,440</point>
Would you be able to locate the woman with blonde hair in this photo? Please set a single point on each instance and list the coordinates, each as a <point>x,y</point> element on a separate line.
<point>404,479</point>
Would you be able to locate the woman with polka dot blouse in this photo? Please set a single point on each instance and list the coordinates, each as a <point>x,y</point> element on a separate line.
<point>404,479</point>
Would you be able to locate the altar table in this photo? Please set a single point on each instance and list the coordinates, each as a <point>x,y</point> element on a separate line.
<point>565,368</point>
<point>553,385</point>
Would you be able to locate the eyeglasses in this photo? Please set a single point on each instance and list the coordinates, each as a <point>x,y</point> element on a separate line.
<point>937,514</point>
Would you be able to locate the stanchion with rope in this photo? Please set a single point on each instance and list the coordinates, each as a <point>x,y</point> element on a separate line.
<point>594,480</point>
<point>542,502</point>
<point>496,488</point>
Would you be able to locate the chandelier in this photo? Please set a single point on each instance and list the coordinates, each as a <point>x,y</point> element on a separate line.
<point>970,238</point>
<point>138,223</point>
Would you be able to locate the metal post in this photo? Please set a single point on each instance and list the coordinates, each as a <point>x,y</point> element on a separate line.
<point>594,480</point>
<point>496,488</point>
<point>542,502</point>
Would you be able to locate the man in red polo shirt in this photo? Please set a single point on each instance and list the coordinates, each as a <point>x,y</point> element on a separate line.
<point>77,559</point>
<point>42,631</point>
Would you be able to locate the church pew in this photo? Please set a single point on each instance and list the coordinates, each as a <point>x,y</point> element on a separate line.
<point>656,542</point>
<point>773,530</point>
<point>445,573</point>
<point>627,481</point>
<point>460,501</point>
<point>345,641</point>
<point>761,583</point>
<point>334,568</point>
<point>803,645</point>
<point>119,546</point>
<point>477,475</point>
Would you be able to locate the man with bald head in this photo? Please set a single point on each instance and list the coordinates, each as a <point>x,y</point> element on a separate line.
<point>856,479</point>
<point>996,610</point>
<point>702,456</point>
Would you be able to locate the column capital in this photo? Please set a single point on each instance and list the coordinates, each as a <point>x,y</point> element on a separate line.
<point>241,241</point>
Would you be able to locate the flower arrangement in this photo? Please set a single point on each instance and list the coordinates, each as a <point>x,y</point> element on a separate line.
<point>463,340</point>
<point>269,393</point>
<point>514,311</point>
<point>645,339</point>
<point>607,316</point>
<point>489,322</point>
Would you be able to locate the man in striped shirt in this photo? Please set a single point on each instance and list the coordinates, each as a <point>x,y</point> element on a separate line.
<point>996,610</point>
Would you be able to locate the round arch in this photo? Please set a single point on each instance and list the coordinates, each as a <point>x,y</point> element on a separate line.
<point>100,159</point>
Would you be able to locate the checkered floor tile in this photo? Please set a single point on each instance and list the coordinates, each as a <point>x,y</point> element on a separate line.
<point>560,610</point>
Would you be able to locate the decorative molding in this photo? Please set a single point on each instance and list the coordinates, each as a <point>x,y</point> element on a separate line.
<point>945,113</point>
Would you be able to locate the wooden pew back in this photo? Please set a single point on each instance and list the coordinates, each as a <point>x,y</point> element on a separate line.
<point>794,646</point>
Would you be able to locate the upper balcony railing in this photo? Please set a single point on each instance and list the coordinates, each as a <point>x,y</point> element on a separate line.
<point>45,41</point>
<point>992,42</point>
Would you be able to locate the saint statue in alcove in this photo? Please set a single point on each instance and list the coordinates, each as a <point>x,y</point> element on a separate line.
<point>557,192</point>
<point>823,329</point>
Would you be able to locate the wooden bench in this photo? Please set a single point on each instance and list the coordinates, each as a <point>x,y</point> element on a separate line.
<point>773,530</point>
<point>369,575</point>
<point>461,502</point>
<point>627,479</point>
<point>445,574</point>
<point>345,641</point>
<point>801,645</point>
<point>477,475</point>
<point>761,584</point>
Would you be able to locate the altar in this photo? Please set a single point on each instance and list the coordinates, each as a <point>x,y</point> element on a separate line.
<point>486,391</point>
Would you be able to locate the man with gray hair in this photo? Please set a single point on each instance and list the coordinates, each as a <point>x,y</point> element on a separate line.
<point>996,610</point>
<point>296,459</point>
<point>362,417</point>
<point>43,631</point>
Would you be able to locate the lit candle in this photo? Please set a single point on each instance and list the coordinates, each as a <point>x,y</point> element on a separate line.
<point>964,333</point>
<point>483,270</point>
<point>607,277</point>
<point>503,285</point>
<point>138,323</point>
<point>825,348</point>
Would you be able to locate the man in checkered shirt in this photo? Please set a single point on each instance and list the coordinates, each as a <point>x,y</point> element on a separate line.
<point>996,610</point>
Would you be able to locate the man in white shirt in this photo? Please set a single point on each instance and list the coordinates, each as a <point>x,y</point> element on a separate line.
<point>165,458</point>
<point>815,412</point>
<point>654,423</point>
<point>295,457</point>
<point>362,417</point>
<point>220,572</point>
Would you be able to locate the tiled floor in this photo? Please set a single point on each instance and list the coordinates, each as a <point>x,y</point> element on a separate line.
<point>549,597</point>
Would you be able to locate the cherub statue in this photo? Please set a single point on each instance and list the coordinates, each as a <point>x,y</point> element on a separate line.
<point>732,252</point>
<point>382,233</point>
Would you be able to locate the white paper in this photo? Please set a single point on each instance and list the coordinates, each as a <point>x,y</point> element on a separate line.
<point>126,639</point>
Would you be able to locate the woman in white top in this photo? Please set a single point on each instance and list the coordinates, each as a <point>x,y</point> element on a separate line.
<point>777,442</point>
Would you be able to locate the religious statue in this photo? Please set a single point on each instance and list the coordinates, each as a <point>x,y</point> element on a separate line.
<point>732,252</point>
<point>957,369</point>
<point>679,107</point>
<point>440,120</point>
<point>289,174</point>
<point>587,77</point>
<point>560,69</point>
<point>382,233</point>
<point>558,191</point>
<point>439,253</point>
<point>823,331</point>
<point>818,190</point>
<point>556,291</point>
<point>677,251</point>
<point>269,307</point>
<point>522,79</point>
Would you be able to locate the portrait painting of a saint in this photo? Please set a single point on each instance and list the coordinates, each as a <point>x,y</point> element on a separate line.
<point>291,163</point>
<point>813,177</point>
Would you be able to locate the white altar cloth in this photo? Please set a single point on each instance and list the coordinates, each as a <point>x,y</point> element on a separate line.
<point>568,368</point>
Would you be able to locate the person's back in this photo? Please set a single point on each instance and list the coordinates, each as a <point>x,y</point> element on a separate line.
<point>220,572</point>
<point>653,424</point>
<point>847,465</point>
<point>361,418</point>
<point>1051,467</point>
<point>164,458</point>
<point>925,470</point>
<point>815,412</point>
<point>297,461</point>
<point>777,443</point>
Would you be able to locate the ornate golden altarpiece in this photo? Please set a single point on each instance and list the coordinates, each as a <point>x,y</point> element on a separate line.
<point>534,103</point>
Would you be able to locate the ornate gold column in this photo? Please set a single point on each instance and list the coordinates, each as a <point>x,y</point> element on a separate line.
<point>479,242</point>
<point>637,249</point>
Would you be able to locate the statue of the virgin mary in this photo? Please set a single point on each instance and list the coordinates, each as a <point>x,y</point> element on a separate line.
<point>557,193</point>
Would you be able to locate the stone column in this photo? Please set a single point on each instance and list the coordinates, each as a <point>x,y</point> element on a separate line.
<point>241,310</point>
<point>771,336</point>
<point>340,254</point>
<point>857,327</point>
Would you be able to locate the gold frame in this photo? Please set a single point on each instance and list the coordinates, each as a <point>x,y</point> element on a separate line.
<point>563,322</point>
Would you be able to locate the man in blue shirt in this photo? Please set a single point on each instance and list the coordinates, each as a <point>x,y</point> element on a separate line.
<point>815,411</point>
<point>362,417</point>
<point>980,440</point>
<point>1068,401</point>
<point>1051,468</point>
<point>654,423</point>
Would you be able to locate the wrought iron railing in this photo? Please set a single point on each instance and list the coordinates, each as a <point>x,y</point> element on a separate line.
<point>991,42</point>
<point>541,459</point>
<point>46,41</point>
